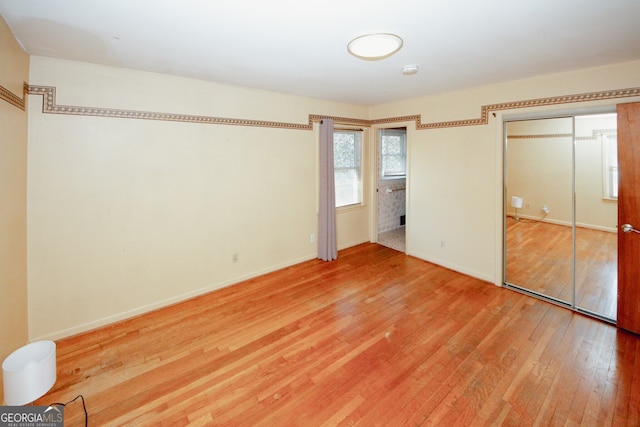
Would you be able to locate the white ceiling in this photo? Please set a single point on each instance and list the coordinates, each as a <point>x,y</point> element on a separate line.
<point>299,46</point>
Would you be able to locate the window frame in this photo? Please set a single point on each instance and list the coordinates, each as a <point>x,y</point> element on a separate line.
<point>359,167</point>
<point>610,171</point>
<point>397,132</point>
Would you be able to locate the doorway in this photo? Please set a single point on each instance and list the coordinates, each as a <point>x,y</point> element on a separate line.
<point>561,208</point>
<point>392,187</point>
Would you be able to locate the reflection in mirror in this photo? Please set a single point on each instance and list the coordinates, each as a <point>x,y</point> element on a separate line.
<point>561,180</point>
<point>539,166</point>
<point>596,175</point>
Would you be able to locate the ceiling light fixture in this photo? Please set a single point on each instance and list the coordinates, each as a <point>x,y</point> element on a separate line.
<point>373,47</point>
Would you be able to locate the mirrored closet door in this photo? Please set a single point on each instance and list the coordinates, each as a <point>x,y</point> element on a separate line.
<point>561,211</point>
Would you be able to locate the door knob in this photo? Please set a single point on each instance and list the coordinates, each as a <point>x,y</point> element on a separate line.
<point>627,228</point>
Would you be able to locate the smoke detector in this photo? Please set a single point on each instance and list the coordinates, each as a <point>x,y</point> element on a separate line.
<point>408,70</point>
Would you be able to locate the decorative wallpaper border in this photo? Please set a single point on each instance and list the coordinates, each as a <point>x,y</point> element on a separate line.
<point>50,106</point>
<point>540,136</point>
<point>538,102</point>
<point>12,98</point>
<point>596,133</point>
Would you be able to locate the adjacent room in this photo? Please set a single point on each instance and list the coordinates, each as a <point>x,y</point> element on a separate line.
<point>321,213</point>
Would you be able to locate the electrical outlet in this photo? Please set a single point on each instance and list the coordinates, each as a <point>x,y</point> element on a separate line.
<point>312,238</point>
<point>234,258</point>
<point>443,244</point>
<point>528,205</point>
<point>545,209</point>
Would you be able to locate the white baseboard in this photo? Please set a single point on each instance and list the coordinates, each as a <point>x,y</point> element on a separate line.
<point>64,333</point>
<point>455,267</point>
<point>567,224</point>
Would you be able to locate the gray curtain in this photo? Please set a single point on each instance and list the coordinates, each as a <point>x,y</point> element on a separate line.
<point>327,246</point>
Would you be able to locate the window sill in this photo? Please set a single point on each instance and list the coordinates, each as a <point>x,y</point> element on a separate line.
<point>352,207</point>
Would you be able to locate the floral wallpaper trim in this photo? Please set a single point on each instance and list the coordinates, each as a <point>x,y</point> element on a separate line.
<point>49,106</point>
<point>12,98</point>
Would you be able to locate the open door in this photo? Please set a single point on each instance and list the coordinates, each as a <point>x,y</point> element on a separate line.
<point>391,185</point>
<point>629,217</point>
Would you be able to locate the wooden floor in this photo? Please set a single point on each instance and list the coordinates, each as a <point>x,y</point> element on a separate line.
<point>374,338</point>
<point>540,258</point>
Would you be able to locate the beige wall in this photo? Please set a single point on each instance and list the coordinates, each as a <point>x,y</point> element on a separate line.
<point>539,169</point>
<point>127,215</point>
<point>592,210</point>
<point>454,186</point>
<point>14,71</point>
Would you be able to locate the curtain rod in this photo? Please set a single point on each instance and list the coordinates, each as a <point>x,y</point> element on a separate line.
<point>347,126</point>
<point>344,124</point>
<point>353,128</point>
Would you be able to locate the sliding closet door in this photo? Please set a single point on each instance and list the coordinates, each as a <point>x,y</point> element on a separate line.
<point>561,188</point>
<point>596,195</point>
<point>539,205</point>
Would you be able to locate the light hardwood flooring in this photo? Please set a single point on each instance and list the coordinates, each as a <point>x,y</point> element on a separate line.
<point>376,338</point>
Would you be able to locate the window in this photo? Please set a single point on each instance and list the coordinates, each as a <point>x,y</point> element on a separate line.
<point>347,164</point>
<point>393,153</point>
<point>610,166</point>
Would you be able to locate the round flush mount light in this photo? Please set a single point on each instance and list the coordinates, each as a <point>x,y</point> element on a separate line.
<point>408,70</point>
<point>373,47</point>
